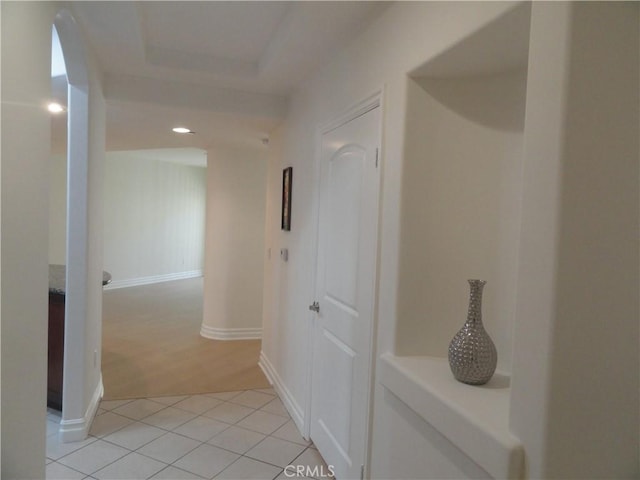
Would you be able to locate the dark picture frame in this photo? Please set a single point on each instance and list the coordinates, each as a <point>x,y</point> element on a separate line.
<point>287,184</point>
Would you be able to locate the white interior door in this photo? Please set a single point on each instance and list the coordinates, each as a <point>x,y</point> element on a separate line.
<point>345,286</point>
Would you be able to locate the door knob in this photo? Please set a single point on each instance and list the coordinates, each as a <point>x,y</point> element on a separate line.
<point>315,307</point>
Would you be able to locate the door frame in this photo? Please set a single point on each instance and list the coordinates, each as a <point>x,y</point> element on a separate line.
<point>375,100</point>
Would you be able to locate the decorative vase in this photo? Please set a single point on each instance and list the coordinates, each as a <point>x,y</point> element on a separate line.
<point>472,353</point>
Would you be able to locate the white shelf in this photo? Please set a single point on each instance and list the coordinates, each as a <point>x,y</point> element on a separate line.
<point>474,418</point>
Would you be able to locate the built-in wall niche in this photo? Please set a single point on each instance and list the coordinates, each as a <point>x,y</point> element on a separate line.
<point>462,188</point>
<point>460,219</point>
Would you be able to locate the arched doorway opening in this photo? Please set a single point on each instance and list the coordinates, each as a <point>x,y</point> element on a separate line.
<point>82,386</point>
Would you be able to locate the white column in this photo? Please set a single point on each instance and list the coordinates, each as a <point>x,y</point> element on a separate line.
<point>234,245</point>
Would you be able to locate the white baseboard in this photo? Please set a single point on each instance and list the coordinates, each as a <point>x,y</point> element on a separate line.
<point>289,402</point>
<point>135,282</point>
<point>231,333</point>
<point>77,429</point>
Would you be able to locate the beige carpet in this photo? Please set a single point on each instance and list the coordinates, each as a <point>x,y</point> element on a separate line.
<point>151,345</point>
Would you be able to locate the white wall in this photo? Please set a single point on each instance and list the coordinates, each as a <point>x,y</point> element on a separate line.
<point>58,209</point>
<point>154,213</point>
<point>26,64</point>
<point>82,384</point>
<point>91,363</point>
<point>233,272</point>
<point>154,219</point>
<point>576,343</point>
<point>27,57</point>
<point>403,38</point>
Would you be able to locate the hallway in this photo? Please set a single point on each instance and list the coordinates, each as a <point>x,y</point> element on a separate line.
<point>230,435</point>
<point>509,153</point>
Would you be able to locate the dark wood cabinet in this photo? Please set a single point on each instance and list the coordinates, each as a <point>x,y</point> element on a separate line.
<point>56,350</point>
<point>57,296</point>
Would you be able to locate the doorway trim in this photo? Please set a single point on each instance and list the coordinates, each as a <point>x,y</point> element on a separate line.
<point>372,101</point>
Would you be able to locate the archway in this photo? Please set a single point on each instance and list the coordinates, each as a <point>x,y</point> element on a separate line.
<point>80,395</point>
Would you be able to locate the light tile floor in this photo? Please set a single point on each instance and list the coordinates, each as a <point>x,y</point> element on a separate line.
<point>230,435</point>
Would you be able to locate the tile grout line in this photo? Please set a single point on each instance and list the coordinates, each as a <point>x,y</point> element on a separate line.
<point>231,451</point>
<point>173,464</point>
<point>65,466</point>
<point>255,460</point>
<point>118,459</point>
<point>202,415</point>
<point>181,469</point>
<point>123,427</point>
<point>268,463</point>
<point>169,431</point>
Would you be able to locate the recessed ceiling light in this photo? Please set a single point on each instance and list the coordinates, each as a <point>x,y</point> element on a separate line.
<point>54,107</point>
<point>182,130</point>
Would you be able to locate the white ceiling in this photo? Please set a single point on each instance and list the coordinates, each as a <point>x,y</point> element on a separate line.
<point>223,69</point>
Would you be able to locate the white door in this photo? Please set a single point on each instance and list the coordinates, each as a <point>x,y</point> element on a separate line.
<point>345,284</point>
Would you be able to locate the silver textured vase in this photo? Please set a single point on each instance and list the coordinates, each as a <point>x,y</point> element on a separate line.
<point>472,353</point>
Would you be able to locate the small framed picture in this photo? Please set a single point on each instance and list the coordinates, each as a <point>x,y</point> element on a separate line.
<point>286,198</point>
